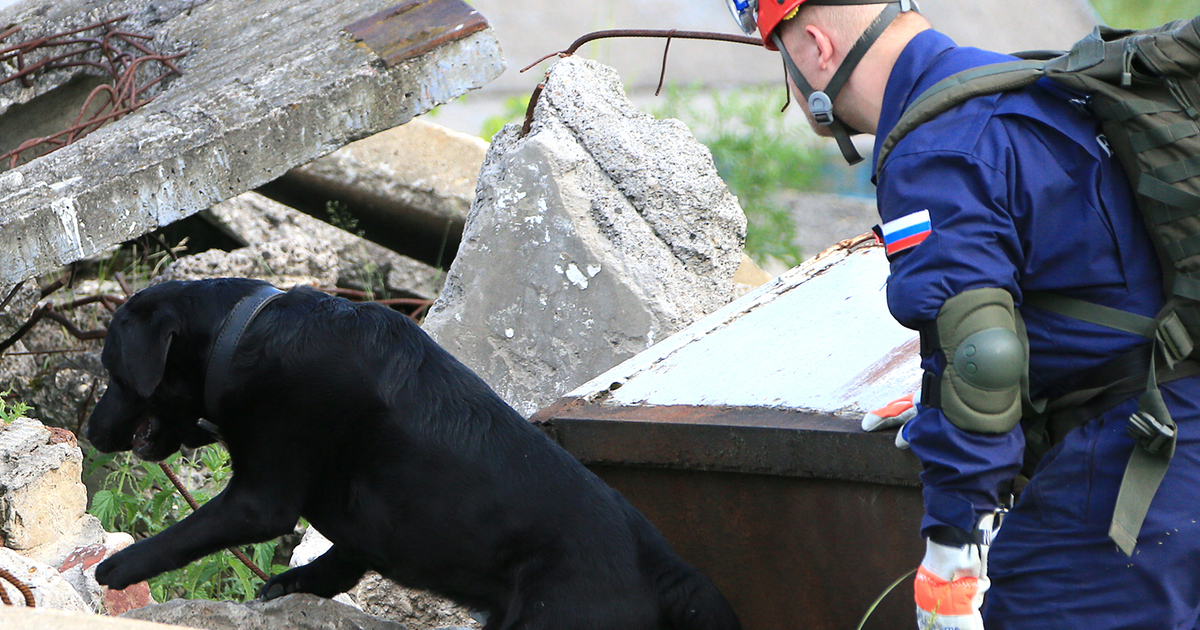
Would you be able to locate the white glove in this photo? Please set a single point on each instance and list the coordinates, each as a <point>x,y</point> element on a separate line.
<point>951,583</point>
<point>896,413</point>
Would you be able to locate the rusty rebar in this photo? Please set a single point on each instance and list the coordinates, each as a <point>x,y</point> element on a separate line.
<point>187,496</point>
<point>118,98</point>
<point>636,33</point>
<point>26,592</point>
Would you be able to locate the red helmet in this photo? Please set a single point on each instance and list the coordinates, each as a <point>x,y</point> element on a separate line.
<point>765,15</point>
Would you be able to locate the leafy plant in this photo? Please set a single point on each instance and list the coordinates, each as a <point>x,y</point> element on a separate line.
<point>11,410</point>
<point>758,154</point>
<point>340,217</point>
<point>136,497</point>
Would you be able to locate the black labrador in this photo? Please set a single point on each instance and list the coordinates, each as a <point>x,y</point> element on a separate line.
<point>352,417</point>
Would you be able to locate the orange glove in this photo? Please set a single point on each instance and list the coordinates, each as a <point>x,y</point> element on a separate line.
<point>951,583</point>
<point>896,413</point>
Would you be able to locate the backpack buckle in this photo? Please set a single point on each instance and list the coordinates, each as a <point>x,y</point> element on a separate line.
<point>1151,434</point>
<point>1175,338</point>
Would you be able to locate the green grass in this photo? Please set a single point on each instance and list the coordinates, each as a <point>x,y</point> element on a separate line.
<point>1144,14</point>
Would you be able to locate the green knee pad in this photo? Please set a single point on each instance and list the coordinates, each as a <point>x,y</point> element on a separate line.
<point>986,361</point>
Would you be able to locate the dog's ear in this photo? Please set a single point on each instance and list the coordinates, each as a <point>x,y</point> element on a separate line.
<point>144,345</point>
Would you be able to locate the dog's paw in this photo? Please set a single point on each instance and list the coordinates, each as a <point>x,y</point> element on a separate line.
<point>117,574</point>
<point>285,583</point>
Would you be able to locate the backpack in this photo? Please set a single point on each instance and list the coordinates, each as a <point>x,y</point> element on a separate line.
<point>1144,89</point>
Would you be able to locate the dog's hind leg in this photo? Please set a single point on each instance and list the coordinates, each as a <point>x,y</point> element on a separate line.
<point>334,572</point>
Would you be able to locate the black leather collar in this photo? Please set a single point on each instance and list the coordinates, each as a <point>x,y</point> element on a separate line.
<point>227,340</point>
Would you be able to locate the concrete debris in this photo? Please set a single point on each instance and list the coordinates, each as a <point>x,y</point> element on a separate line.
<point>299,260</point>
<point>410,187</point>
<point>600,233</point>
<point>49,588</point>
<point>381,597</point>
<point>20,618</point>
<point>360,264</point>
<point>292,612</point>
<point>266,86</point>
<point>42,516</point>
<point>41,495</point>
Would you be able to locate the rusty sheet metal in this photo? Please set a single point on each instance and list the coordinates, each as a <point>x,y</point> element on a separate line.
<point>733,439</point>
<point>787,552</point>
<point>415,27</point>
<point>800,518</point>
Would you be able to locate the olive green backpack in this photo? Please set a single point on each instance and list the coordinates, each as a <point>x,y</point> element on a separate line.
<point>1144,88</point>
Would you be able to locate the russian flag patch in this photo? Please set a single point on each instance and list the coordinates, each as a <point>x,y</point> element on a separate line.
<point>906,232</point>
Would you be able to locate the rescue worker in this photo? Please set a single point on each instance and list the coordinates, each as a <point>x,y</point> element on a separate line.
<point>984,206</point>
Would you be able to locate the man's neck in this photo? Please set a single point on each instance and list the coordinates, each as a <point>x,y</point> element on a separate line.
<point>861,102</point>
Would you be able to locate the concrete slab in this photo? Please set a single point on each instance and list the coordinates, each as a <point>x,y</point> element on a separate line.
<point>818,339</point>
<point>266,86</point>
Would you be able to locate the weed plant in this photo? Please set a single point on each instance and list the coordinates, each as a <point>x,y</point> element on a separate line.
<point>11,409</point>
<point>136,497</point>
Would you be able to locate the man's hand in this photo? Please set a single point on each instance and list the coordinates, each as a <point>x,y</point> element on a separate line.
<point>952,581</point>
<point>893,414</point>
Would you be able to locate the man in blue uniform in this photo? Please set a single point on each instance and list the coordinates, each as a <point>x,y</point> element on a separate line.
<point>1000,199</point>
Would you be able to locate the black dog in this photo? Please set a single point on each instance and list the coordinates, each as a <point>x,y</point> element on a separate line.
<point>352,417</point>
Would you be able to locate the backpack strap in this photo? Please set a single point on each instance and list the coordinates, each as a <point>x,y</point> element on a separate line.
<point>1151,426</point>
<point>957,89</point>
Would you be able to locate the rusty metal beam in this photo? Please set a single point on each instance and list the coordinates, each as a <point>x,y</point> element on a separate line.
<point>732,439</point>
<point>415,27</point>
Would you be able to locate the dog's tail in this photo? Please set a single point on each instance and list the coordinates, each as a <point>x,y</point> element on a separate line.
<point>691,602</point>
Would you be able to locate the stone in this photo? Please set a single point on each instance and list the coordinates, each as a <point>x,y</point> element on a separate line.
<point>79,569</point>
<point>21,618</point>
<point>298,260</point>
<point>386,599</point>
<point>84,532</point>
<point>361,264</point>
<point>266,86</point>
<point>49,589</point>
<point>291,612</point>
<point>415,183</point>
<point>598,234</point>
<point>41,495</point>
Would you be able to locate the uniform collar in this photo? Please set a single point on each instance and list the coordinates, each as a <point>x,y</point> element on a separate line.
<point>911,71</point>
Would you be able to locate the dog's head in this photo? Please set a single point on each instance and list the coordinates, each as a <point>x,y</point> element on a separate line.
<point>154,353</point>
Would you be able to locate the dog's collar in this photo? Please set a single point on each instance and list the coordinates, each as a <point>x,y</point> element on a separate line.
<point>227,340</point>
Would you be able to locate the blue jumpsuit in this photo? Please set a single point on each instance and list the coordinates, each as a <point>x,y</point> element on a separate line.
<point>1021,194</point>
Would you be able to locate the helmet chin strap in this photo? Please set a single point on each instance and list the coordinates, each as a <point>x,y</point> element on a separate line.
<point>820,102</point>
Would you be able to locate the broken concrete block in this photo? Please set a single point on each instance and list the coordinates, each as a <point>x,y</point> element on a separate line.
<point>266,86</point>
<point>381,597</point>
<point>50,590</point>
<point>412,185</point>
<point>600,233</point>
<point>361,264</point>
<point>299,260</point>
<point>79,569</point>
<point>41,495</point>
<point>291,612</point>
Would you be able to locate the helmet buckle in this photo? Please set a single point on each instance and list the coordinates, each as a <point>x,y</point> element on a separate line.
<point>821,107</point>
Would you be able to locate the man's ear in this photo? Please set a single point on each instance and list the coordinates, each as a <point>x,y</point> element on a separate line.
<point>144,345</point>
<point>823,44</point>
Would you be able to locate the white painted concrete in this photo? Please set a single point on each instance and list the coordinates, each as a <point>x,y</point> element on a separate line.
<point>818,338</point>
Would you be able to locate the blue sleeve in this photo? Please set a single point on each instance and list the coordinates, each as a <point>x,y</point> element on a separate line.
<point>972,244</point>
